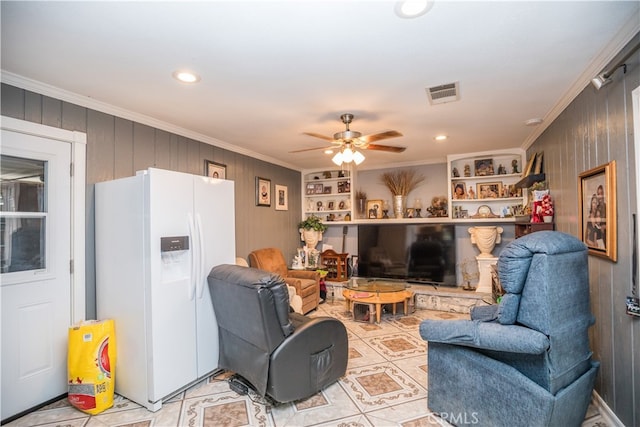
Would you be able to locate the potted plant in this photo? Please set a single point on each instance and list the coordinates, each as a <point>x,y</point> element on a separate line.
<point>311,229</point>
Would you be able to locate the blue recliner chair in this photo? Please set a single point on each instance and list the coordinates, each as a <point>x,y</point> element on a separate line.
<point>525,361</point>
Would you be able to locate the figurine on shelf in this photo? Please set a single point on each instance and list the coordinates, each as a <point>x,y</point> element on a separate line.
<point>467,170</point>
<point>472,194</point>
<point>385,209</point>
<point>455,173</point>
<point>438,206</point>
<point>417,205</point>
<point>502,170</point>
<point>514,166</point>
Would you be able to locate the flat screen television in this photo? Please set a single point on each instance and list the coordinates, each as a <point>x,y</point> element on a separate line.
<point>417,253</point>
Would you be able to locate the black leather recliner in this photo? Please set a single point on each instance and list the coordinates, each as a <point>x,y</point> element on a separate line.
<point>284,355</point>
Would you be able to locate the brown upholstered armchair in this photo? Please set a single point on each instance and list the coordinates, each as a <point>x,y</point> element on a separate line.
<point>307,283</point>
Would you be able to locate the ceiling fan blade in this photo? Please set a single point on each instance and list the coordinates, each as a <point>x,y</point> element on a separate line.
<point>311,149</point>
<point>388,148</point>
<point>380,136</point>
<point>317,135</point>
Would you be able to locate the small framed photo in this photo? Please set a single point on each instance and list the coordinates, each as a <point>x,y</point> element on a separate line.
<point>215,170</point>
<point>374,209</point>
<point>464,214</point>
<point>331,205</point>
<point>528,170</point>
<point>326,189</point>
<point>597,206</point>
<point>282,198</point>
<point>317,189</point>
<point>489,190</point>
<point>484,167</point>
<point>459,191</point>
<point>311,189</point>
<point>538,166</point>
<point>263,191</point>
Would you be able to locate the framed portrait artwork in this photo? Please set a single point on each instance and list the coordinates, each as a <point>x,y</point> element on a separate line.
<point>215,170</point>
<point>489,190</point>
<point>458,190</point>
<point>263,191</point>
<point>311,188</point>
<point>374,209</point>
<point>282,198</point>
<point>528,170</point>
<point>484,167</point>
<point>597,200</point>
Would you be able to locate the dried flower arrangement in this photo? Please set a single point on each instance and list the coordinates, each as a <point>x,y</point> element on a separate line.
<point>401,182</point>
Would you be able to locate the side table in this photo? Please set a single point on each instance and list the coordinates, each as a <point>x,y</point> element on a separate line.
<point>378,299</point>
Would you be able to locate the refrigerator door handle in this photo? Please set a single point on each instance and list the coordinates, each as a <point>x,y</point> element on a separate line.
<point>192,282</point>
<point>201,278</point>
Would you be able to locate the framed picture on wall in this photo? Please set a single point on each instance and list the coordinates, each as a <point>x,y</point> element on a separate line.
<point>263,191</point>
<point>282,198</point>
<point>597,200</point>
<point>215,170</point>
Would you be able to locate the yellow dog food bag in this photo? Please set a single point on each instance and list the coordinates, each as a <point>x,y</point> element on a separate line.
<point>91,365</point>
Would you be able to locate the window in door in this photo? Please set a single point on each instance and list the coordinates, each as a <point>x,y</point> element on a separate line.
<point>23,214</point>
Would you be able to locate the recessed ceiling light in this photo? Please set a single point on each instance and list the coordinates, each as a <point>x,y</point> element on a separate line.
<point>412,8</point>
<point>440,137</point>
<point>186,76</point>
<point>533,122</point>
<point>328,151</point>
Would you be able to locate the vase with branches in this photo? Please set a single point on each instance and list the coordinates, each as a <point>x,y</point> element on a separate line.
<point>400,183</point>
<point>361,203</point>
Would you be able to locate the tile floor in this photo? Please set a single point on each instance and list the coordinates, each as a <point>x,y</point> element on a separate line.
<point>385,385</point>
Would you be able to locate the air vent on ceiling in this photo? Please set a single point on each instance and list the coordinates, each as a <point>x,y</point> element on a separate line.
<point>444,93</point>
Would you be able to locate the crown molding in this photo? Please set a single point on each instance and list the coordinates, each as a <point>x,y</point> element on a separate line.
<point>600,62</point>
<point>103,107</point>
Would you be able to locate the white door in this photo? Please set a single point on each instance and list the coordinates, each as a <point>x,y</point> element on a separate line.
<point>35,231</point>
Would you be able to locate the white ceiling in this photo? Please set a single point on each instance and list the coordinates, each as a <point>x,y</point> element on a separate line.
<point>272,70</point>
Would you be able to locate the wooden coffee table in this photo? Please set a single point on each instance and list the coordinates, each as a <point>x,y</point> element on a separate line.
<point>376,294</point>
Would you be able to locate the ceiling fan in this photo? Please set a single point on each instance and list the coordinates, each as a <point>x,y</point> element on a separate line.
<point>350,139</point>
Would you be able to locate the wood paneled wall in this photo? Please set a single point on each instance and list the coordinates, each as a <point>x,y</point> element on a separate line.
<point>118,148</point>
<point>594,129</point>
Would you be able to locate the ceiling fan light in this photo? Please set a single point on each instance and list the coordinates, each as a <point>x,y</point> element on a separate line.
<point>358,157</point>
<point>337,159</point>
<point>347,155</point>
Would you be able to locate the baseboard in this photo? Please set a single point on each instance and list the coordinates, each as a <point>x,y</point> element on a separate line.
<point>605,412</point>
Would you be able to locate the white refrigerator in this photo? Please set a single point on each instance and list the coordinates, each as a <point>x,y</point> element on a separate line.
<point>158,234</point>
